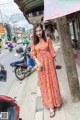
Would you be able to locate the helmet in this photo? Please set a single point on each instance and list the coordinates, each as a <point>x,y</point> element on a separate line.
<point>19,50</point>
<point>25,41</point>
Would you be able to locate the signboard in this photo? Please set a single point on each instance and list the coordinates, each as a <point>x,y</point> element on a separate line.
<point>1,29</point>
<point>58,8</point>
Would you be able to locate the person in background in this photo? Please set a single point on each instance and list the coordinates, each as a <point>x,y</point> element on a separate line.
<point>26,41</point>
<point>31,38</point>
<point>14,39</point>
<point>56,35</point>
<point>0,45</point>
<point>47,32</point>
<point>44,55</point>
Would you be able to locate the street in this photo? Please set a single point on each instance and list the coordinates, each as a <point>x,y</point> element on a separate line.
<point>5,59</point>
<point>23,92</point>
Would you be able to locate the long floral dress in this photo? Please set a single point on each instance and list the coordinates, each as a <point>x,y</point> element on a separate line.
<point>44,52</point>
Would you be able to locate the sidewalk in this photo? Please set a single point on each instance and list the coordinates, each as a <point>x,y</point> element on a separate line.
<point>69,110</point>
<point>3,49</point>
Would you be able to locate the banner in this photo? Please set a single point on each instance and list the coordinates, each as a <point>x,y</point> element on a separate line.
<point>58,8</point>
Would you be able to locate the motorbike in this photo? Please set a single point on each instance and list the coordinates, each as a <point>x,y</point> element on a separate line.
<point>23,67</point>
<point>10,45</point>
<point>9,109</point>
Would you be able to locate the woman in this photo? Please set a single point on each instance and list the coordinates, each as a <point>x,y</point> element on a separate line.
<point>44,55</point>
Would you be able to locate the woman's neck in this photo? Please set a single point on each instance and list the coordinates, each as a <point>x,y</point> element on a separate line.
<point>40,38</point>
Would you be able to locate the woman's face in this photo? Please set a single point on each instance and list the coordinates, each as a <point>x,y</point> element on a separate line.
<point>39,32</point>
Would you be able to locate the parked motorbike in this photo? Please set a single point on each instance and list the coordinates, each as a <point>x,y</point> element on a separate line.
<point>23,67</point>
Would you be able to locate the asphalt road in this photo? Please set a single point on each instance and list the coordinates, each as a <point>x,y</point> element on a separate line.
<point>23,92</point>
<point>6,58</point>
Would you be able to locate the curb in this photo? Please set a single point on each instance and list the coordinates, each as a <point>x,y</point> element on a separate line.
<point>39,107</point>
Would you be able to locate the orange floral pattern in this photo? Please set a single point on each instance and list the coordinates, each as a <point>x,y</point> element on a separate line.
<point>49,87</point>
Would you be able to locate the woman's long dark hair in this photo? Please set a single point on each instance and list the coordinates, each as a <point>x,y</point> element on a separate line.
<point>35,38</point>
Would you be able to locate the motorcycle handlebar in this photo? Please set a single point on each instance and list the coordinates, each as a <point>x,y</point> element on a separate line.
<point>24,54</point>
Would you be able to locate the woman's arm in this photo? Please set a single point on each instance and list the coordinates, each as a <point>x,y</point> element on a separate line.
<point>37,62</point>
<point>51,49</point>
<point>34,54</point>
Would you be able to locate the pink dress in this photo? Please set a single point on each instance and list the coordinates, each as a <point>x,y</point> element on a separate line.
<point>49,87</point>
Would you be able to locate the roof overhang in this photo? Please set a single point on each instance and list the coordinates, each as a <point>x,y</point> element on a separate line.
<point>32,9</point>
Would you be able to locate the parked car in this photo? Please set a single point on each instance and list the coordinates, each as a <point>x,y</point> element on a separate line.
<point>9,108</point>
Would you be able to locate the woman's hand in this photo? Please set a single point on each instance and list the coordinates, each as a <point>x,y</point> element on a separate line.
<point>39,66</point>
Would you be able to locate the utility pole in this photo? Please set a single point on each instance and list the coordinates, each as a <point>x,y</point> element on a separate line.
<point>2,17</point>
<point>63,27</point>
<point>14,21</point>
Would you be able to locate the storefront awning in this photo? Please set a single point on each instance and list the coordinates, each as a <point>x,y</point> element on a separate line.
<point>58,8</point>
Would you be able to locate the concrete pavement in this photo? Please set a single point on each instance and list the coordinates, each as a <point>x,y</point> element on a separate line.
<point>69,110</point>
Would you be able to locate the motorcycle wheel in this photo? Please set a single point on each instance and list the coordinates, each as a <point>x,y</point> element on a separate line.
<point>19,74</point>
<point>10,49</point>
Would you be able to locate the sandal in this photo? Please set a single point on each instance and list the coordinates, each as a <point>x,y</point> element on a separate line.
<point>52,114</point>
<point>59,107</point>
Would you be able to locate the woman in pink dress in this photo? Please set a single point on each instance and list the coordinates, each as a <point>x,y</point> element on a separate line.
<point>44,55</point>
